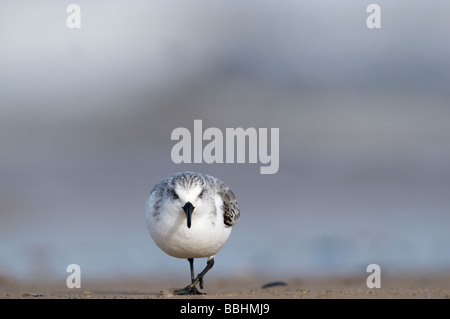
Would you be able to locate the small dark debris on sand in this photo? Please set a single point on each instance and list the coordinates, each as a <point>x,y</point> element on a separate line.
<point>29,294</point>
<point>274,284</point>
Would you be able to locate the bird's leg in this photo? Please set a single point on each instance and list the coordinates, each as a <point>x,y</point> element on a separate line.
<point>191,263</point>
<point>190,289</point>
<point>209,265</point>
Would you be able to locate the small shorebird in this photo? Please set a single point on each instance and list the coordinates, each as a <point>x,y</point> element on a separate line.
<point>190,215</point>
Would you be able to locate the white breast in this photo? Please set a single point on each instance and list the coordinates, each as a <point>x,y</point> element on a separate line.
<point>169,230</point>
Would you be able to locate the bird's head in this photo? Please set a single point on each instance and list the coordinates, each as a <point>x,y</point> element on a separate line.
<point>186,197</point>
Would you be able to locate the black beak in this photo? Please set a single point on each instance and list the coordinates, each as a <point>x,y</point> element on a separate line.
<point>188,209</point>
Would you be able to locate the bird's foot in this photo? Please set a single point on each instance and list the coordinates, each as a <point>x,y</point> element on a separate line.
<point>191,289</point>
<point>188,290</point>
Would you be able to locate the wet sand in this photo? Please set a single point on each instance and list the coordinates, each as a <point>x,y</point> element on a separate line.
<point>436,287</point>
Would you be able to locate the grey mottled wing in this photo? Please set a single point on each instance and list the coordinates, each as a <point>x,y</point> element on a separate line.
<point>231,212</point>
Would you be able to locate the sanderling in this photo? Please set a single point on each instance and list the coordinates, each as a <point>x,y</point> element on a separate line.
<point>190,215</point>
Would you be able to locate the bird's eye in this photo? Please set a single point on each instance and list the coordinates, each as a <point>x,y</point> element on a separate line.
<point>201,194</point>
<point>173,194</point>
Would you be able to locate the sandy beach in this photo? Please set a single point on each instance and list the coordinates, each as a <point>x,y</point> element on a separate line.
<point>411,287</point>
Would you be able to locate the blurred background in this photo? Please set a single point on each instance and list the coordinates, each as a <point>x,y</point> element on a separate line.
<point>86,117</point>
